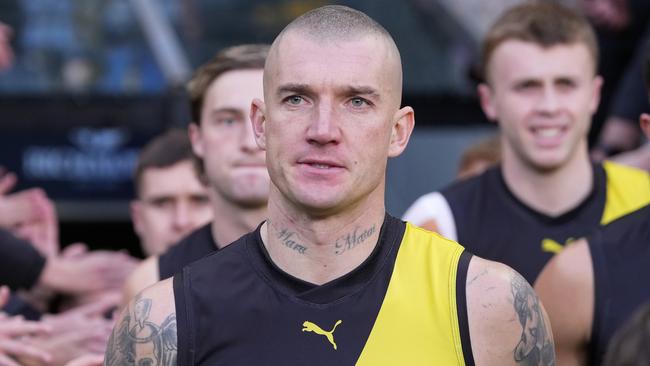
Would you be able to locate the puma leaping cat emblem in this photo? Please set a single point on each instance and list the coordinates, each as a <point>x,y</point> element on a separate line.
<point>311,327</point>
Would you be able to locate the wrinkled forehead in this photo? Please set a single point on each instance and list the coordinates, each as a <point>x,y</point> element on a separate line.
<point>303,57</point>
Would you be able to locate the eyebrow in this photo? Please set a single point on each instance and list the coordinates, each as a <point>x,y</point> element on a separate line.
<point>225,110</point>
<point>304,89</point>
<point>294,88</point>
<point>361,90</point>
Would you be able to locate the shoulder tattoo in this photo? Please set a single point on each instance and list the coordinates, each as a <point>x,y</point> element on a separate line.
<point>536,344</point>
<point>138,341</point>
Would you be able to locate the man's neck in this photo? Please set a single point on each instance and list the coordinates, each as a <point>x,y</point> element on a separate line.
<point>551,192</point>
<point>231,221</point>
<point>321,249</point>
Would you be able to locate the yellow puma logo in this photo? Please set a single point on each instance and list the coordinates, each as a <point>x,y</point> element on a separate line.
<point>311,327</point>
<point>551,246</point>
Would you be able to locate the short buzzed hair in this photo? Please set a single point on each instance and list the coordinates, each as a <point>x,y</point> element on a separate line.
<point>335,22</point>
<point>544,23</point>
<point>242,57</point>
<point>165,150</point>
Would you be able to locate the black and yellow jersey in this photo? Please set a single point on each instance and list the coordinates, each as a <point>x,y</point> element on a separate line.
<point>620,255</point>
<point>194,246</point>
<point>484,216</point>
<point>404,305</point>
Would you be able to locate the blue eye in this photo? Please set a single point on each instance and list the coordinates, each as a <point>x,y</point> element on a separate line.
<point>358,102</point>
<point>294,99</point>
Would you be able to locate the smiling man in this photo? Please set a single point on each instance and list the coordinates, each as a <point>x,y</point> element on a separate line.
<point>541,88</point>
<point>599,277</point>
<point>330,278</point>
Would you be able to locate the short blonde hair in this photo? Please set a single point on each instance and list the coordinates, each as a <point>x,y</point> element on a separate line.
<point>243,57</point>
<point>544,23</point>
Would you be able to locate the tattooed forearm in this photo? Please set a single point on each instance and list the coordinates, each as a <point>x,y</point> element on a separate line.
<point>138,341</point>
<point>287,238</point>
<point>535,346</point>
<point>351,240</point>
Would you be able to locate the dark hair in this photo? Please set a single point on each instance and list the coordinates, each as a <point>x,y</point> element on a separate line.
<point>541,22</point>
<point>243,57</point>
<point>164,150</point>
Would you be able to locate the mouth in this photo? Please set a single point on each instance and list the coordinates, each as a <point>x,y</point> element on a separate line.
<point>549,136</point>
<point>320,164</point>
<point>548,131</point>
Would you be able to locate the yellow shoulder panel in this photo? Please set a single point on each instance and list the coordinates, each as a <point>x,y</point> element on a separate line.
<point>628,189</point>
<point>418,322</point>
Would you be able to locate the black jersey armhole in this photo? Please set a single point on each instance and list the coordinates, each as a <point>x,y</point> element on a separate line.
<point>461,307</point>
<point>184,326</point>
<point>601,306</point>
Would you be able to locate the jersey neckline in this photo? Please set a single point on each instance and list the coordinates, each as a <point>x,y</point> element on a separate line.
<point>598,188</point>
<point>390,236</point>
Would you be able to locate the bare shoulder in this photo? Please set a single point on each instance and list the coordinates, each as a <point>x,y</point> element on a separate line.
<point>570,269</point>
<point>507,322</point>
<point>145,275</point>
<point>568,279</point>
<point>145,332</point>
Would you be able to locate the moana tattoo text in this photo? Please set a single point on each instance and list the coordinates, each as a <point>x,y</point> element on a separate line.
<point>353,239</point>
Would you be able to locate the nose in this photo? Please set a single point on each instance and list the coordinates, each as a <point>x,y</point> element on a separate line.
<point>549,102</point>
<point>324,127</point>
<point>182,219</point>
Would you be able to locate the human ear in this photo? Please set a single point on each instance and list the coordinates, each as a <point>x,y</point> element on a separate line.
<point>258,119</point>
<point>402,127</point>
<point>194,133</point>
<point>487,101</point>
<point>136,216</point>
<point>644,121</point>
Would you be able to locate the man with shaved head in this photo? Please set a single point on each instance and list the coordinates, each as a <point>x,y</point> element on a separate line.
<point>330,278</point>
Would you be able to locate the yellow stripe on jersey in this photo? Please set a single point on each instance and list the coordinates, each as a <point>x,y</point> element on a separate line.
<point>418,321</point>
<point>628,189</point>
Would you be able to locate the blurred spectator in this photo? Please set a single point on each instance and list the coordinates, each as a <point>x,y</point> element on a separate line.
<point>229,159</point>
<point>622,30</point>
<point>128,62</point>
<point>541,87</point>
<point>172,200</point>
<point>620,131</point>
<point>598,277</point>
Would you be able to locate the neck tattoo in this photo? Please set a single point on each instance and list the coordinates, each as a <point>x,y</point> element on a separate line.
<point>353,239</point>
<point>287,239</point>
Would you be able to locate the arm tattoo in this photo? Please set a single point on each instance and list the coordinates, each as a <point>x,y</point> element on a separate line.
<point>535,346</point>
<point>352,239</point>
<point>138,341</point>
